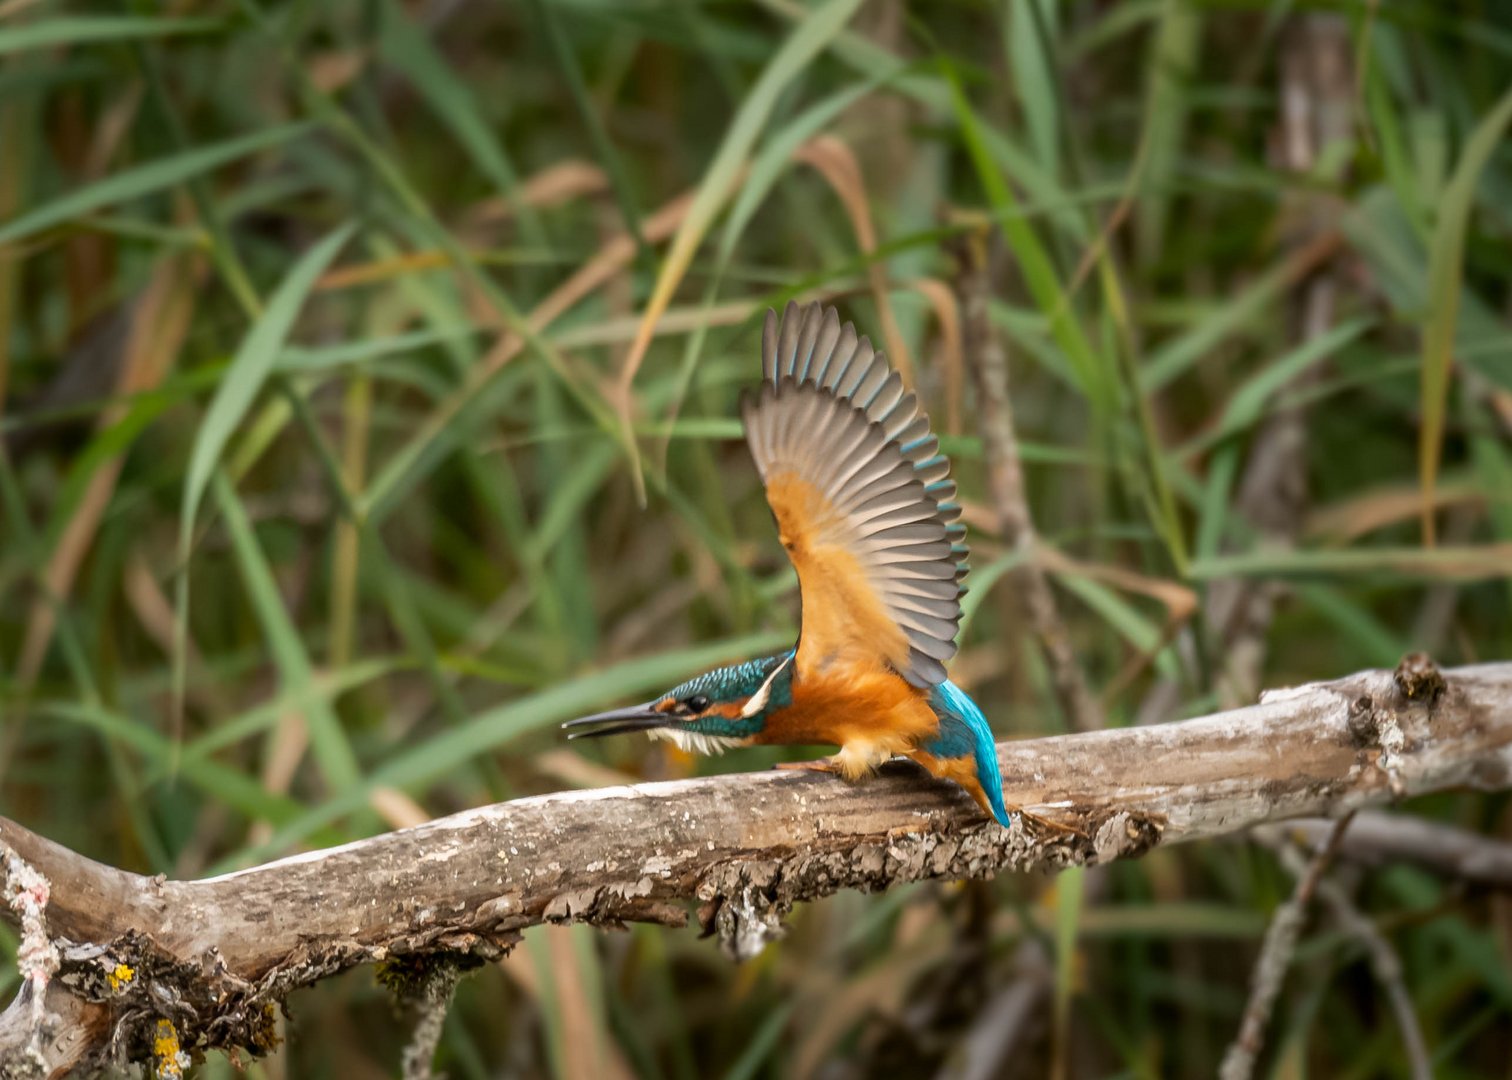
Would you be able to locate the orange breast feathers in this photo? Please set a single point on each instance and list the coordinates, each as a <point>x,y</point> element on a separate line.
<point>844,621</point>
<point>867,708</point>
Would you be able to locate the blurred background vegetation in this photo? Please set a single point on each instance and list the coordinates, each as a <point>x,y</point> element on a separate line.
<point>317,329</point>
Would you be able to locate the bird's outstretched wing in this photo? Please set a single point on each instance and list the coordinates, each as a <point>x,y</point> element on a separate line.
<point>862,498</point>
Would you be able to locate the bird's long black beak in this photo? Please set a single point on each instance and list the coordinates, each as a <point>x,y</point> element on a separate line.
<point>618,721</point>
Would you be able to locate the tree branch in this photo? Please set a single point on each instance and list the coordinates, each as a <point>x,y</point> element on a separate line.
<point>1383,959</point>
<point>215,957</point>
<point>1378,838</point>
<point>1276,953</point>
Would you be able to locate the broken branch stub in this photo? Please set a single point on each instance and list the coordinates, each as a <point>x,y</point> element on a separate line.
<point>214,957</point>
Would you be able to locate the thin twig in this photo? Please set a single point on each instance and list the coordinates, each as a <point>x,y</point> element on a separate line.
<point>432,1000</point>
<point>1379,838</point>
<point>1006,1022</point>
<point>1384,963</point>
<point>1005,477</point>
<point>1275,957</point>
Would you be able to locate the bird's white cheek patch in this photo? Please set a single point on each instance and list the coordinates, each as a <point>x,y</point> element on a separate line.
<point>695,742</point>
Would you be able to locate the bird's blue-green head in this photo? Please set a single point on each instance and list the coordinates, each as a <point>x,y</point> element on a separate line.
<point>728,706</point>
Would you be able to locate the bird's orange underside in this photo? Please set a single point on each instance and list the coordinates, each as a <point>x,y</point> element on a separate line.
<point>850,706</point>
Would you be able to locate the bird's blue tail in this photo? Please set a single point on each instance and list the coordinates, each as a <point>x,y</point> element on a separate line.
<point>964,730</point>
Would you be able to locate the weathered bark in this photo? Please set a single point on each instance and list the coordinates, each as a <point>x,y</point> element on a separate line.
<point>216,956</point>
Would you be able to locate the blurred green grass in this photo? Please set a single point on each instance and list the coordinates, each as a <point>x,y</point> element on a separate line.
<point>321,484</point>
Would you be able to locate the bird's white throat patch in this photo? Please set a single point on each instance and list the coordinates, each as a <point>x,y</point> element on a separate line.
<point>695,742</point>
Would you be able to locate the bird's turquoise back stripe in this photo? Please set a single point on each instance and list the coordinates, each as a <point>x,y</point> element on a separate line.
<point>964,730</point>
<point>738,681</point>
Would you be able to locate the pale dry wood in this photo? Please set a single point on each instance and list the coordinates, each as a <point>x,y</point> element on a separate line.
<point>214,956</point>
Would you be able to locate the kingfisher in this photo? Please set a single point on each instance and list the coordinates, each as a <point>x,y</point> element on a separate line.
<point>865,508</point>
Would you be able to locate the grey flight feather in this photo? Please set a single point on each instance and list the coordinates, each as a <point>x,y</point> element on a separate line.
<point>833,412</point>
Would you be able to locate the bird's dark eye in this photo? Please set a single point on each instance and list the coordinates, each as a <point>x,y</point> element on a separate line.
<point>697,703</point>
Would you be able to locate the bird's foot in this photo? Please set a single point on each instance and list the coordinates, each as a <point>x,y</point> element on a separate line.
<point>855,762</point>
<point>819,765</point>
